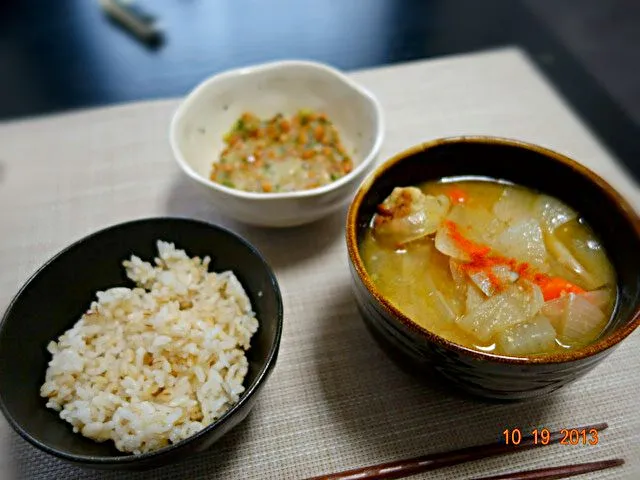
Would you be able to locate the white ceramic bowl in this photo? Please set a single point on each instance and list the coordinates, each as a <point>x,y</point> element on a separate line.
<point>210,110</point>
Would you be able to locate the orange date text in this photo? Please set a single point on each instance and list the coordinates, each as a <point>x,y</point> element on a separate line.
<point>543,436</point>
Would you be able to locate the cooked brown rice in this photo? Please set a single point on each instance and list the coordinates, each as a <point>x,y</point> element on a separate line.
<point>152,365</point>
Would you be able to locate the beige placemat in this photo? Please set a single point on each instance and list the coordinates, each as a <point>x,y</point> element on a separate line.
<point>334,401</point>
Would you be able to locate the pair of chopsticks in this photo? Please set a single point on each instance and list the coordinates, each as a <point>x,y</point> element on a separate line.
<point>413,466</point>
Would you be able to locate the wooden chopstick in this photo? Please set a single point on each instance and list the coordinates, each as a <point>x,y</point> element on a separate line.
<point>564,471</point>
<point>412,466</point>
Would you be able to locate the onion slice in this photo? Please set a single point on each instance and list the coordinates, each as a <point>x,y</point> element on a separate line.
<point>567,260</point>
<point>553,213</point>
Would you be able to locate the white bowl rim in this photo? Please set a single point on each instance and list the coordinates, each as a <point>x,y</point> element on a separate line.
<point>261,68</point>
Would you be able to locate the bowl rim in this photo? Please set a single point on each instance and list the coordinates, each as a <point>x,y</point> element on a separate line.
<point>258,69</point>
<point>127,459</point>
<point>562,357</point>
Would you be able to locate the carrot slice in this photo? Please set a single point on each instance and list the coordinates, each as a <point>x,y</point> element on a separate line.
<point>457,195</point>
<point>554,287</point>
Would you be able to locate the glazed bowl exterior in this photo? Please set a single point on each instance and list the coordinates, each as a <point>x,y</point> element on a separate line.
<point>55,297</point>
<point>211,109</point>
<point>485,374</point>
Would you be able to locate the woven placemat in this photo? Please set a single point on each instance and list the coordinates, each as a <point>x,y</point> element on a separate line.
<point>334,400</point>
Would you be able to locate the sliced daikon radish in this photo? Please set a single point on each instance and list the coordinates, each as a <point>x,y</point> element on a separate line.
<point>534,336</point>
<point>564,257</point>
<point>552,212</point>
<point>444,308</point>
<point>460,281</point>
<point>435,209</point>
<point>493,230</point>
<point>490,284</point>
<point>470,295</point>
<point>445,244</point>
<point>474,223</point>
<point>536,298</point>
<point>516,304</point>
<point>415,270</point>
<point>480,322</point>
<point>501,277</point>
<point>514,205</point>
<point>504,274</point>
<point>458,275</point>
<point>582,320</point>
<point>600,298</point>
<point>474,298</point>
<point>483,282</point>
<point>408,215</point>
<point>523,241</point>
<point>459,240</point>
<point>554,310</point>
<point>411,268</point>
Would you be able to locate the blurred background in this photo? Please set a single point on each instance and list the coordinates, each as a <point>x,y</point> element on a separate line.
<point>58,55</point>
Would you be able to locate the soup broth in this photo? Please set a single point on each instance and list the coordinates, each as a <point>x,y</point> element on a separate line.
<point>491,266</point>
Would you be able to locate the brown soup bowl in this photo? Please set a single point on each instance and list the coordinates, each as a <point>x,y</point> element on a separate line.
<point>485,374</point>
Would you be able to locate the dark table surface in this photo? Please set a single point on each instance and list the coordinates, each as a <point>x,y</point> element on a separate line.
<point>65,54</point>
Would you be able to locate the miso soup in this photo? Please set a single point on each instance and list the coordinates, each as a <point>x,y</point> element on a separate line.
<point>491,266</point>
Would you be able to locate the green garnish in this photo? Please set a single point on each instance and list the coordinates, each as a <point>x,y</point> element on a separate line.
<point>304,115</point>
<point>229,183</point>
